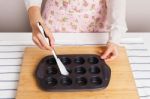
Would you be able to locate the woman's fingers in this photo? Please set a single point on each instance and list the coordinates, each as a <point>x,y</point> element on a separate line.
<point>51,38</point>
<point>113,56</point>
<point>48,34</point>
<point>37,42</point>
<point>43,42</point>
<point>52,41</point>
<point>106,53</point>
<point>111,52</point>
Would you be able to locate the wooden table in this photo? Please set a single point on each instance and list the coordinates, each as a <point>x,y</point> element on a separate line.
<point>122,85</point>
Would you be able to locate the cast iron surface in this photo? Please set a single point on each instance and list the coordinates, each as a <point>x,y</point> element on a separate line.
<point>86,72</point>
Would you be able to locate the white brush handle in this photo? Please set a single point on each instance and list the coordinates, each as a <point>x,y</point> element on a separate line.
<point>42,32</point>
<point>55,56</point>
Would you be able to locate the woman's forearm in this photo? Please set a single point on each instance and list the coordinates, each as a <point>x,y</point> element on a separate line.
<point>34,13</point>
<point>117,19</point>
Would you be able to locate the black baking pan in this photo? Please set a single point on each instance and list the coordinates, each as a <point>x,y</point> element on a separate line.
<point>86,72</point>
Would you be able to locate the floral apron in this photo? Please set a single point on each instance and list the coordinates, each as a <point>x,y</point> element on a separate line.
<point>76,15</point>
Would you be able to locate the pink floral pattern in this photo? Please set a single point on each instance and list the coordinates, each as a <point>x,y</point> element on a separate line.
<point>76,15</point>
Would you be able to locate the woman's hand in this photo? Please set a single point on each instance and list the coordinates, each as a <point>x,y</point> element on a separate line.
<point>111,52</point>
<point>38,39</point>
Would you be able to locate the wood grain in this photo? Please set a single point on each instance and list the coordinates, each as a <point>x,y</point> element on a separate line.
<point>121,86</point>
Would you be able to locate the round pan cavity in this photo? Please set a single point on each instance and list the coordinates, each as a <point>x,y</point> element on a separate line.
<point>81,81</point>
<point>96,80</point>
<point>80,70</point>
<point>79,60</point>
<point>51,61</point>
<point>94,70</point>
<point>69,70</point>
<point>51,81</point>
<point>52,70</point>
<point>93,60</point>
<point>65,60</point>
<point>66,81</point>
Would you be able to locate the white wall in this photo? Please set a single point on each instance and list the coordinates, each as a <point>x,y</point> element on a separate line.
<point>138,15</point>
<point>13,16</point>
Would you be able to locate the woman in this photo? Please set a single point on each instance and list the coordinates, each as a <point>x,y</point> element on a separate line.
<point>79,16</point>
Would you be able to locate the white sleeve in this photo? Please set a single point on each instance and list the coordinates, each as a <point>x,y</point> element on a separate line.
<point>116,14</point>
<point>30,3</point>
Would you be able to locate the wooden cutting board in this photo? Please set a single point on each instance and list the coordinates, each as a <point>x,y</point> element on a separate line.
<point>121,86</point>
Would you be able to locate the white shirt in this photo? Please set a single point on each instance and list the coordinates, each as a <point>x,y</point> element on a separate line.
<point>116,16</point>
